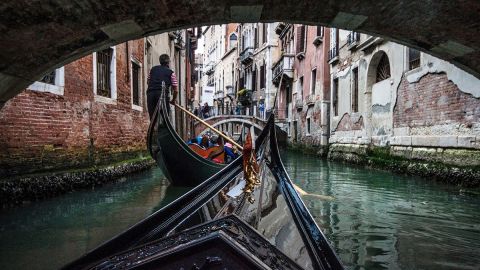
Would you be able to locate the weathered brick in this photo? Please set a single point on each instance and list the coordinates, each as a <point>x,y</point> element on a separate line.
<point>46,131</point>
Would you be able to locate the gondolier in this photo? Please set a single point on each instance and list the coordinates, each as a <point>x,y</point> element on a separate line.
<point>158,75</point>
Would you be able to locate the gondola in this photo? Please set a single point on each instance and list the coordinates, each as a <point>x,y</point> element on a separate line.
<point>180,164</point>
<point>214,227</point>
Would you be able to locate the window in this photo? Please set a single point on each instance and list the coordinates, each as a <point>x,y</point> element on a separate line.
<point>300,86</point>
<point>355,90</point>
<point>255,38</point>
<point>49,78</point>
<point>301,38</point>
<point>320,31</point>
<point>313,81</point>
<point>413,58</point>
<point>104,76</point>
<point>335,97</point>
<point>383,68</point>
<point>263,76</point>
<point>264,32</point>
<point>352,38</point>
<point>308,126</point>
<point>136,84</point>
<point>233,41</point>
<point>333,52</point>
<point>53,82</point>
<point>254,80</point>
<point>104,71</point>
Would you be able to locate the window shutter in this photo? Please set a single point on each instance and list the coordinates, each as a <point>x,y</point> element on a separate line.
<point>256,38</point>
<point>298,39</point>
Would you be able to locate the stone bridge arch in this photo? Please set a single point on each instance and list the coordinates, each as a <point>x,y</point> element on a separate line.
<point>235,125</point>
<point>37,36</point>
<point>230,123</point>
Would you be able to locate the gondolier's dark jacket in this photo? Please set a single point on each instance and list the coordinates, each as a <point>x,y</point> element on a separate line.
<point>159,74</point>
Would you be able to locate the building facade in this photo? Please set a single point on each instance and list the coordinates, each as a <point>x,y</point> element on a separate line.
<point>257,48</point>
<point>389,96</point>
<point>90,112</point>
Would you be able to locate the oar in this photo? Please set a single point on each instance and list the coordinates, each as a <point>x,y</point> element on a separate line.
<point>208,125</point>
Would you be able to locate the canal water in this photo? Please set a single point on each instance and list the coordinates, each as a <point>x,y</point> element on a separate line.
<point>374,219</point>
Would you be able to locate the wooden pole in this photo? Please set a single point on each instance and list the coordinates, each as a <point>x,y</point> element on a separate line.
<point>208,125</point>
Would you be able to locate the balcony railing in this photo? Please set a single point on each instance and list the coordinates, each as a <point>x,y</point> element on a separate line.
<point>210,68</point>
<point>333,55</point>
<point>246,56</point>
<point>230,91</point>
<point>285,66</point>
<point>352,39</point>
<point>310,99</point>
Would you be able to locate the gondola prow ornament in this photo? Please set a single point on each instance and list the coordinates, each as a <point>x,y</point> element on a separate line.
<point>250,167</point>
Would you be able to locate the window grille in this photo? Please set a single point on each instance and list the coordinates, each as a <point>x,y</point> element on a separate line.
<point>104,60</point>
<point>383,69</point>
<point>49,78</point>
<point>413,58</point>
<point>135,84</point>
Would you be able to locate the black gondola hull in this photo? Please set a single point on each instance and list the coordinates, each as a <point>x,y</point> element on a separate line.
<point>180,164</point>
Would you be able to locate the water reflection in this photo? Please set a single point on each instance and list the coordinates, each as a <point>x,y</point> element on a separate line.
<point>376,221</point>
<point>48,234</point>
<point>383,221</point>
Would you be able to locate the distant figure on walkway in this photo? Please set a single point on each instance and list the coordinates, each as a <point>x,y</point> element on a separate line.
<point>158,75</point>
<point>261,109</point>
<point>206,110</point>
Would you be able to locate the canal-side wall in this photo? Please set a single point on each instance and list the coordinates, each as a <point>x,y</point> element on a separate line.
<point>422,120</point>
<point>436,128</point>
<point>27,188</point>
<point>67,125</point>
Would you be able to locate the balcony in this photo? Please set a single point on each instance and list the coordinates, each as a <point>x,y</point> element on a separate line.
<point>299,104</point>
<point>245,97</point>
<point>352,40</point>
<point>230,91</point>
<point>218,95</point>
<point>310,99</point>
<point>285,66</point>
<point>210,68</point>
<point>246,56</point>
<point>333,55</point>
<point>259,95</point>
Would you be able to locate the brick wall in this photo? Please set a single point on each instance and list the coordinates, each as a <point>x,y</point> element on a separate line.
<point>434,100</point>
<point>43,131</point>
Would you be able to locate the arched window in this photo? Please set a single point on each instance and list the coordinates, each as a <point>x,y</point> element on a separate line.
<point>233,41</point>
<point>383,69</point>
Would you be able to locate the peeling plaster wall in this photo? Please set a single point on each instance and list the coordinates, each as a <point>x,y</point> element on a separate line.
<point>465,82</point>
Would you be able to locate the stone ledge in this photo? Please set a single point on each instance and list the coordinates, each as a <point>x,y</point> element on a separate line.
<point>33,188</point>
<point>437,141</point>
<point>456,166</point>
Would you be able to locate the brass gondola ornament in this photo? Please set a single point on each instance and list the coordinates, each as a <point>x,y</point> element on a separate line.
<point>250,167</point>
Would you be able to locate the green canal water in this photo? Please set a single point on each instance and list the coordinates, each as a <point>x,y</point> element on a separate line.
<point>374,219</point>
